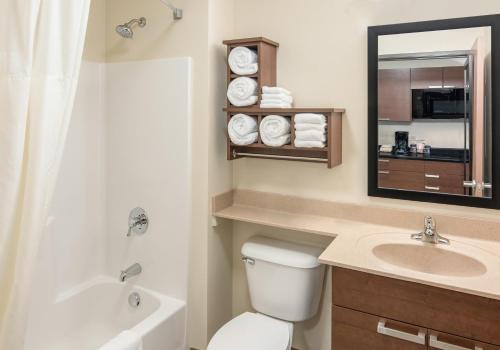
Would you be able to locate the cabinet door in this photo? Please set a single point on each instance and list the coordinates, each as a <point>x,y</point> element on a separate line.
<point>394,95</point>
<point>453,77</point>
<point>354,330</point>
<point>443,341</point>
<point>426,78</point>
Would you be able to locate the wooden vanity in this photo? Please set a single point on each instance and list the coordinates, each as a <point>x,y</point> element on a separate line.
<point>381,313</point>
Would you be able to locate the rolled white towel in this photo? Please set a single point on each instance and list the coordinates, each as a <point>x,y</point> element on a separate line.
<point>242,92</point>
<point>307,126</point>
<point>264,104</point>
<point>275,130</point>
<point>126,340</point>
<point>275,90</point>
<point>277,97</point>
<point>309,144</point>
<point>310,135</point>
<point>243,61</point>
<point>310,118</point>
<point>242,129</point>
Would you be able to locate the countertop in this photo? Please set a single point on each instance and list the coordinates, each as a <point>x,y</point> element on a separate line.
<point>347,250</point>
<point>437,154</point>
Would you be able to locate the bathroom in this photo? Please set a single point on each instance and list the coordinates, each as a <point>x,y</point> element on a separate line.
<point>148,130</point>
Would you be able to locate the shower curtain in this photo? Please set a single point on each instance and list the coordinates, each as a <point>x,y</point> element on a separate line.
<point>41,44</point>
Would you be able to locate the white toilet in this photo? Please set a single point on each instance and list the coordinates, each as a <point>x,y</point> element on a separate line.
<point>285,282</point>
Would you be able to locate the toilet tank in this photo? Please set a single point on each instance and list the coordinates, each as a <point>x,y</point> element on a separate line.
<point>285,279</point>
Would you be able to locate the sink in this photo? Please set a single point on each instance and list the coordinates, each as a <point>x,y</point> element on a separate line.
<point>429,259</point>
<point>397,251</point>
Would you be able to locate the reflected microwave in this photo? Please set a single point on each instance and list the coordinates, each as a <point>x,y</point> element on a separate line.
<point>438,103</point>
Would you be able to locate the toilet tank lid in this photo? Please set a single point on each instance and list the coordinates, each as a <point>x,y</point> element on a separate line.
<point>281,252</point>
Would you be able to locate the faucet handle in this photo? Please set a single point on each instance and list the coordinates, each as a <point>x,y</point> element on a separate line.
<point>430,223</point>
<point>138,222</point>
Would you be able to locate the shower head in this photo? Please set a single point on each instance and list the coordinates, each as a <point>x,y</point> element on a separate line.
<point>125,30</point>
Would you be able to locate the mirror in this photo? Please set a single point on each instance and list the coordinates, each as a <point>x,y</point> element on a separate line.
<point>432,112</point>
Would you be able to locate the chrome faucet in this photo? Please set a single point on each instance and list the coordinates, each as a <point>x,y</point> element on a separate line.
<point>133,270</point>
<point>430,234</point>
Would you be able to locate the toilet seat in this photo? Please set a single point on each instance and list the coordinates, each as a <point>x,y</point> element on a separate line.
<point>251,331</point>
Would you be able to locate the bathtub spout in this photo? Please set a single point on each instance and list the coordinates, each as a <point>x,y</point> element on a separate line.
<point>131,271</point>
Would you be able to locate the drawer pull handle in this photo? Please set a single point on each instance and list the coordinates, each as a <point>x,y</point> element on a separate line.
<point>435,86</point>
<point>435,343</point>
<point>383,160</point>
<point>384,119</point>
<point>432,176</point>
<point>384,172</point>
<point>432,188</point>
<point>417,339</point>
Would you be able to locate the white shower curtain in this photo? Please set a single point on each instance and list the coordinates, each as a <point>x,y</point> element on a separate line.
<point>41,44</point>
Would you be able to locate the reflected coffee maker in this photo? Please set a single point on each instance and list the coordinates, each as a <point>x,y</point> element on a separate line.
<point>401,138</point>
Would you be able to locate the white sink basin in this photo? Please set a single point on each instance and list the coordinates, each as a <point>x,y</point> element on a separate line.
<point>429,259</point>
<point>395,251</point>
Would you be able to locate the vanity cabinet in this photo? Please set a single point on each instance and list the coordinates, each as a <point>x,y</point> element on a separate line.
<point>376,312</point>
<point>394,95</point>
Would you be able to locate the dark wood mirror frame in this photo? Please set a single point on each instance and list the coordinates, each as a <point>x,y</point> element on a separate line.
<point>492,21</point>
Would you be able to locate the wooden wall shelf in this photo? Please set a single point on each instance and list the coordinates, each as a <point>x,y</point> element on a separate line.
<point>266,50</point>
<point>331,154</point>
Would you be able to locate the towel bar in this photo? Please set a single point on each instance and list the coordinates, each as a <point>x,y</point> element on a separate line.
<point>258,155</point>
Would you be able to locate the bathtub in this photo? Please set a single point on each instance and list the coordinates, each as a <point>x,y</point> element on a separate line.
<point>88,316</point>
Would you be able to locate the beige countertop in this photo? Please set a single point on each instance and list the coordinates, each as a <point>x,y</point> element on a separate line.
<point>354,241</point>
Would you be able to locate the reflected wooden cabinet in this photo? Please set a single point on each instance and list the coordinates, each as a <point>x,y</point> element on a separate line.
<point>453,77</point>
<point>426,78</point>
<point>394,95</point>
<point>437,78</point>
<point>421,175</point>
<point>381,313</point>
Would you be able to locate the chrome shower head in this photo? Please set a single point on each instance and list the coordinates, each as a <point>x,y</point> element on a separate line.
<point>125,30</point>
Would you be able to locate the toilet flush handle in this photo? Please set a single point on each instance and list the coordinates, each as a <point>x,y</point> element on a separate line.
<point>248,260</point>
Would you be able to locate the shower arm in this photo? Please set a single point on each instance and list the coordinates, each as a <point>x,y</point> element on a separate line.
<point>177,11</point>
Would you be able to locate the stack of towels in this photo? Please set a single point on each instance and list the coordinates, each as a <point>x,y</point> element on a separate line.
<point>242,92</point>
<point>242,130</point>
<point>275,130</point>
<point>310,130</point>
<point>276,97</point>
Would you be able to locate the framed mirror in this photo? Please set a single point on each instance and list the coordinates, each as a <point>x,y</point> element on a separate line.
<point>433,104</point>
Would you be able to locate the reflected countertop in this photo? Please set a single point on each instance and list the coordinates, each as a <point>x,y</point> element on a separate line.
<point>453,155</point>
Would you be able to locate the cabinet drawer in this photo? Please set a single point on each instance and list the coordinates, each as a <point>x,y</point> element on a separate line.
<point>445,183</point>
<point>353,330</point>
<point>417,166</point>
<point>443,341</point>
<point>461,314</point>
<point>440,168</point>
<point>403,180</point>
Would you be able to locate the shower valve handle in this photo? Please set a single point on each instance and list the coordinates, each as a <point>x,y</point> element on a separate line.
<point>138,222</point>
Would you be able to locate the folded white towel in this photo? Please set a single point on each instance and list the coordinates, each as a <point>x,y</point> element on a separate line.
<point>276,101</point>
<point>310,135</point>
<point>275,90</point>
<point>277,97</point>
<point>264,104</point>
<point>242,129</point>
<point>275,130</point>
<point>243,61</point>
<point>309,144</point>
<point>307,126</point>
<point>126,340</point>
<point>310,118</point>
<point>242,92</point>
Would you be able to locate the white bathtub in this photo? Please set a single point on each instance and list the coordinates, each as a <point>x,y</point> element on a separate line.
<point>90,315</point>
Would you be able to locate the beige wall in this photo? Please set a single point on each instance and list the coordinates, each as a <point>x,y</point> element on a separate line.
<point>322,60</point>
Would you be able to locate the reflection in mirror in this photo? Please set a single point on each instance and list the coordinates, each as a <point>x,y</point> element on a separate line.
<point>434,112</point>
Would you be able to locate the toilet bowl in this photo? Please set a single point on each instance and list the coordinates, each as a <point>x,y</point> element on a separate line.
<point>285,282</point>
<point>251,331</point>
